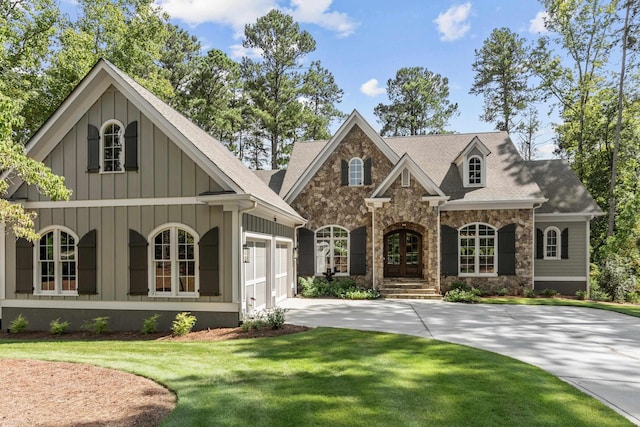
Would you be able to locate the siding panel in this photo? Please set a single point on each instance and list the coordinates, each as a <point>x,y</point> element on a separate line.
<point>575,265</point>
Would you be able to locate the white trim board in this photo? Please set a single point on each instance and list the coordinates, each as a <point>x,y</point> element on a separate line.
<point>147,201</point>
<point>462,205</point>
<point>217,307</point>
<point>560,279</point>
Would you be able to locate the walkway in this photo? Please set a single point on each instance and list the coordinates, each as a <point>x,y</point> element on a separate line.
<point>596,351</point>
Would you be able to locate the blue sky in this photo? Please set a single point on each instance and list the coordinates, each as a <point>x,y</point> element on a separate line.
<point>364,42</point>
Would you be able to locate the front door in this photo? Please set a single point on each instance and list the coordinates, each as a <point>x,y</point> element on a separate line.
<point>403,254</point>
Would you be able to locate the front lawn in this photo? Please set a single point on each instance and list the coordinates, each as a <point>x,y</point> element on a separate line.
<point>337,377</point>
<point>628,309</point>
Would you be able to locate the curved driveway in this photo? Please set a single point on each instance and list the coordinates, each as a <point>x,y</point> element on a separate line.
<point>597,351</point>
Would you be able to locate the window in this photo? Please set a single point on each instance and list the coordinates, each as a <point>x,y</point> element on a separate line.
<point>173,262</point>
<point>56,262</point>
<point>356,173</point>
<point>552,243</point>
<point>406,177</point>
<point>477,245</point>
<point>332,250</point>
<point>475,170</point>
<point>112,147</point>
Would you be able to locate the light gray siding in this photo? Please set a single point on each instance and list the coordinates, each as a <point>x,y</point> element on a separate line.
<point>163,169</point>
<point>576,264</point>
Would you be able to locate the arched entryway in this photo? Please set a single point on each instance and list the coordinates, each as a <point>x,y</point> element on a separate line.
<point>403,254</point>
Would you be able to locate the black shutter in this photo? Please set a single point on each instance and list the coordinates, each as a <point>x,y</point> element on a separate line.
<point>448,251</point>
<point>87,272</point>
<point>539,244</point>
<point>209,264</point>
<point>305,252</point>
<point>367,172</point>
<point>358,251</point>
<point>507,250</point>
<point>93,149</point>
<point>131,147</point>
<point>564,253</point>
<point>24,266</point>
<point>138,270</point>
<point>345,172</point>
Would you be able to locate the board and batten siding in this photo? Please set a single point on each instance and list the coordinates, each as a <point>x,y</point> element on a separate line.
<point>112,225</point>
<point>575,265</point>
<point>264,226</point>
<point>163,169</point>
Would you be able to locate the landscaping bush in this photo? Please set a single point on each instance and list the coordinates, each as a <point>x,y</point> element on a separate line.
<point>150,324</point>
<point>458,285</point>
<point>529,293</point>
<point>98,325</point>
<point>597,294</point>
<point>18,325</point>
<point>549,293</point>
<point>343,287</point>
<point>275,317</point>
<point>616,278</point>
<point>501,292</point>
<point>58,327</point>
<point>461,295</point>
<point>633,297</point>
<point>183,323</point>
<point>582,295</point>
<point>361,294</point>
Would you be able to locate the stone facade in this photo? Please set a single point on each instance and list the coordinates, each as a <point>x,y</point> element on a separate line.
<point>524,246</point>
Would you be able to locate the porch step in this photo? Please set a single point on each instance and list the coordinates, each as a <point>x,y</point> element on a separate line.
<point>408,289</point>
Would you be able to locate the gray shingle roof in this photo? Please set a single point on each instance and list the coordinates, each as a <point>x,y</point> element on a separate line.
<point>562,187</point>
<point>301,157</point>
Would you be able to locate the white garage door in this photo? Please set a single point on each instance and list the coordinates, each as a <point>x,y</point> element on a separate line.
<point>255,273</point>
<point>282,268</point>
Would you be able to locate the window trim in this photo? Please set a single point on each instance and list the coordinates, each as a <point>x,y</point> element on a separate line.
<point>476,261</point>
<point>406,177</point>
<point>558,244</point>
<point>351,164</point>
<point>37,288</point>
<point>122,142</point>
<point>467,171</point>
<point>175,293</point>
<point>315,250</point>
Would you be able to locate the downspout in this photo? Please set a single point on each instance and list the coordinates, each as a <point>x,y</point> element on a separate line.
<point>533,244</point>
<point>588,270</point>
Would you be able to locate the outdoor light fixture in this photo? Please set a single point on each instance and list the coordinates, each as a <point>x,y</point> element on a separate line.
<point>246,254</point>
<point>295,252</point>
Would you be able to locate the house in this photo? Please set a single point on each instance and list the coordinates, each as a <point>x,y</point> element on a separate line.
<point>411,215</point>
<point>163,219</point>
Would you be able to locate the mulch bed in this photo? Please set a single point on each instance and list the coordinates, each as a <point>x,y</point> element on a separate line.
<point>39,393</point>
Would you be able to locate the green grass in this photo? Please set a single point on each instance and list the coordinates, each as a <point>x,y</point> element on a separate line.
<point>630,310</point>
<point>338,377</point>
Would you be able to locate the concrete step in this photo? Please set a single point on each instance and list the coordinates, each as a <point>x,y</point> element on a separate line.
<point>412,296</point>
<point>408,289</point>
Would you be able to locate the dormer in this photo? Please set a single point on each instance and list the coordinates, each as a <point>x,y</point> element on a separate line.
<point>472,164</point>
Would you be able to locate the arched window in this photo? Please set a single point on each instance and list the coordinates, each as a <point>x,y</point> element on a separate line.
<point>332,250</point>
<point>56,257</point>
<point>112,147</point>
<point>477,243</point>
<point>552,238</point>
<point>356,173</point>
<point>174,259</point>
<point>475,170</point>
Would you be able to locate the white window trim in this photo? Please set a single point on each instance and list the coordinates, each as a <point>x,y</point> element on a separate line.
<point>483,171</point>
<point>175,293</point>
<point>558,244</point>
<point>122,141</point>
<point>358,159</point>
<point>37,288</point>
<point>315,248</point>
<point>406,177</point>
<point>476,261</point>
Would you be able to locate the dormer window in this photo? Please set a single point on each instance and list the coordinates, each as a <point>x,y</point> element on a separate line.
<point>475,170</point>
<point>356,172</point>
<point>112,147</point>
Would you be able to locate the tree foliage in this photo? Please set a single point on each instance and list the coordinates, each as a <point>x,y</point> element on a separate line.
<point>419,103</point>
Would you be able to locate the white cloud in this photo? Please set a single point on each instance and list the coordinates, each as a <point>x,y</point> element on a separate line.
<point>317,12</point>
<point>536,25</point>
<point>238,51</point>
<point>453,24</point>
<point>372,88</point>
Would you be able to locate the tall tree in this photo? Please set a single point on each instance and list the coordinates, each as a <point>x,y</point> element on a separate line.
<point>320,95</point>
<point>502,72</point>
<point>527,134</point>
<point>178,59</point>
<point>272,82</point>
<point>419,103</point>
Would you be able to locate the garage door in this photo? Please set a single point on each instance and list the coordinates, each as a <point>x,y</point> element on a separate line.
<point>255,273</point>
<point>282,268</point>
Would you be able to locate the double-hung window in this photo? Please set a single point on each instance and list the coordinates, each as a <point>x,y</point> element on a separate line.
<point>552,243</point>
<point>173,262</point>
<point>332,250</point>
<point>112,147</point>
<point>478,251</point>
<point>356,172</point>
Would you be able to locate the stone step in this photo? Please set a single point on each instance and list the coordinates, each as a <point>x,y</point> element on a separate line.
<point>412,296</point>
<point>395,285</point>
<point>408,288</point>
<point>429,290</point>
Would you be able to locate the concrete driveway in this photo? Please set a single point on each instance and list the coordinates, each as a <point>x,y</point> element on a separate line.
<point>594,350</point>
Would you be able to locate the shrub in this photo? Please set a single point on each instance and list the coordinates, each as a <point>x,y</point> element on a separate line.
<point>58,327</point>
<point>458,285</point>
<point>183,323</point>
<point>529,293</point>
<point>150,324</point>
<point>343,287</point>
<point>18,325</point>
<point>254,321</point>
<point>98,325</point>
<point>461,295</point>
<point>633,297</point>
<point>502,292</point>
<point>597,294</point>
<point>275,317</point>
<point>616,278</point>
<point>581,295</point>
<point>549,293</point>
<point>358,293</point>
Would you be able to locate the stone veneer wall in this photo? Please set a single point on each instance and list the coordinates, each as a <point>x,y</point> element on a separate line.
<point>325,201</point>
<point>524,246</point>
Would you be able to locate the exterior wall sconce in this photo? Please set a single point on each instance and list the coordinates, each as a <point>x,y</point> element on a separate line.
<point>246,254</point>
<point>295,252</point>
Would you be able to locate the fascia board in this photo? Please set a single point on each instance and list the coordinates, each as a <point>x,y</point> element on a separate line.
<point>422,177</point>
<point>461,205</point>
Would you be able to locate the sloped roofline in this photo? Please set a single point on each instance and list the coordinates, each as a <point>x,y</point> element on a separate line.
<point>475,142</point>
<point>355,118</point>
<point>416,171</point>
